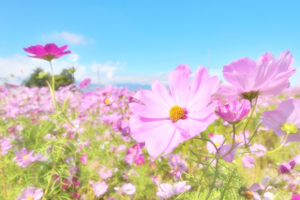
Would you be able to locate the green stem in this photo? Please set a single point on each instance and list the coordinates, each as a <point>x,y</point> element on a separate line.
<point>233,141</point>
<point>269,152</point>
<point>250,116</point>
<point>3,174</point>
<point>214,180</point>
<point>53,83</point>
<point>248,143</point>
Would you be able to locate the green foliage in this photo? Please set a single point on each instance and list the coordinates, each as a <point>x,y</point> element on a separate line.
<point>65,78</point>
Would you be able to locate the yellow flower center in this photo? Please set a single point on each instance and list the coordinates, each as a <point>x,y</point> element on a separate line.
<point>140,161</point>
<point>100,188</point>
<point>249,194</point>
<point>30,198</point>
<point>176,113</point>
<point>26,156</point>
<point>289,128</point>
<point>106,101</point>
<point>217,144</point>
<point>239,140</point>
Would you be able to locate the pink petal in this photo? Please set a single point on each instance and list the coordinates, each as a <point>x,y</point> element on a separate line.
<point>148,112</point>
<point>289,110</point>
<point>51,48</point>
<point>141,130</point>
<point>179,82</point>
<point>200,77</point>
<point>267,57</point>
<point>157,145</point>
<point>150,99</point>
<point>243,65</point>
<point>241,81</point>
<point>202,97</point>
<point>162,93</point>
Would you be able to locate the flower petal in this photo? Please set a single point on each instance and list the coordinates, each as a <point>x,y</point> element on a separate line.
<point>179,82</point>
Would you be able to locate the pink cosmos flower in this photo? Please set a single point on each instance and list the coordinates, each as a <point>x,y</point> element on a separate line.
<point>105,173</point>
<point>84,83</point>
<point>168,118</point>
<point>156,179</point>
<point>25,158</point>
<point>83,159</point>
<point>261,187</point>
<point>295,196</point>
<point>176,174</point>
<point>284,120</point>
<point>48,52</point>
<point>284,168</point>
<point>258,150</point>
<point>5,145</point>
<point>166,190</point>
<point>30,193</point>
<point>99,188</point>
<point>174,160</point>
<point>266,77</point>
<point>233,112</point>
<point>128,188</point>
<point>140,160</point>
<point>248,161</point>
<point>181,187</point>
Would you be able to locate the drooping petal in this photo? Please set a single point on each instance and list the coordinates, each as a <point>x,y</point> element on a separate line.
<point>176,139</point>
<point>156,145</point>
<point>143,128</point>
<point>225,149</point>
<point>274,126</point>
<point>274,115</point>
<point>289,110</point>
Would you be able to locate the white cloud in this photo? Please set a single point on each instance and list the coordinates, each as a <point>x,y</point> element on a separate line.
<point>69,38</point>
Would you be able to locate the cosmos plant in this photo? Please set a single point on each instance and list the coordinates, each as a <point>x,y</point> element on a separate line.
<point>196,139</point>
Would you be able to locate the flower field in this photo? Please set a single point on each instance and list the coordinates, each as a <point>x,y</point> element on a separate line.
<point>196,139</point>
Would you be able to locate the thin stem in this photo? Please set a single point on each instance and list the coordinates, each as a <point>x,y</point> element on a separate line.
<point>53,84</point>
<point>250,116</point>
<point>233,141</point>
<point>208,140</point>
<point>253,134</point>
<point>3,174</point>
<point>269,152</point>
<point>214,180</point>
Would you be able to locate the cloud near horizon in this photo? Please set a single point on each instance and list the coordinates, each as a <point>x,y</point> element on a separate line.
<point>108,73</point>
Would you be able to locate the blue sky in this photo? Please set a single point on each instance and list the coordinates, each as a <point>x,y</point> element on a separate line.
<point>136,41</point>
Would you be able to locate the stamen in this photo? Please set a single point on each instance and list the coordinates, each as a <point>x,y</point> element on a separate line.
<point>176,113</point>
<point>289,128</point>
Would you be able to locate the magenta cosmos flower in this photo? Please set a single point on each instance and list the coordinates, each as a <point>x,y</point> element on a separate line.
<point>233,112</point>
<point>295,196</point>
<point>284,120</point>
<point>265,77</point>
<point>84,83</point>
<point>30,193</point>
<point>168,118</point>
<point>48,52</point>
